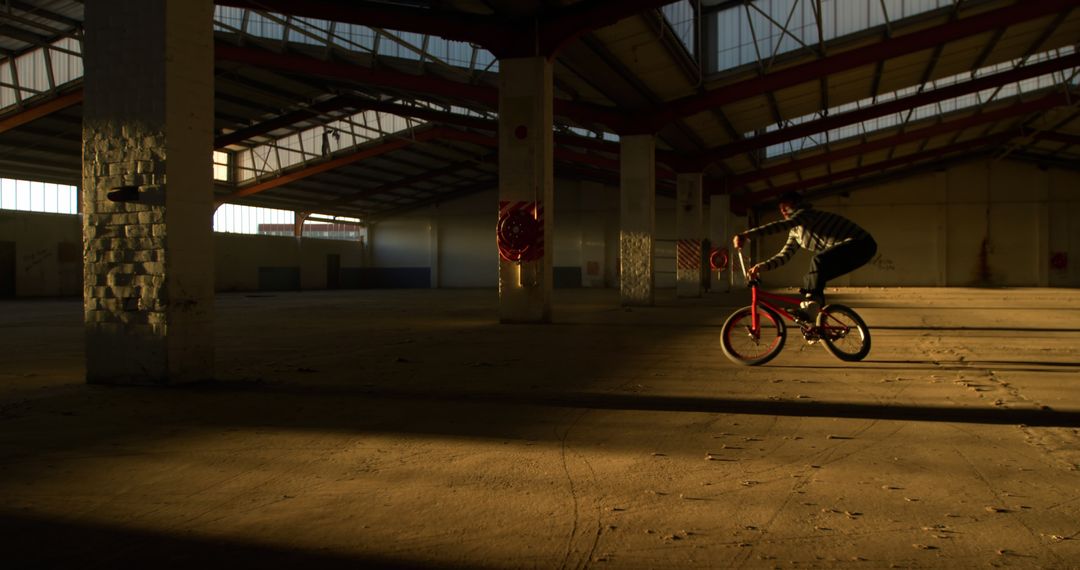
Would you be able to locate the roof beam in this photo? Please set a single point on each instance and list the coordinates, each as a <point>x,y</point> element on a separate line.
<point>446,24</point>
<point>488,96</point>
<point>802,185</point>
<point>851,59</point>
<point>360,154</point>
<point>295,63</point>
<point>924,98</point>
<point>281,121</point>
<point>541,34</point>
<point>400,183</point>
<point>573,21</point>
<point>1065,138</point>
<point>43,13</point>
<point>42,109</point>
<point>1025,108</point>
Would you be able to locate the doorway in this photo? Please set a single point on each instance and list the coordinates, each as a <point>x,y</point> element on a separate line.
<point>7,269</point>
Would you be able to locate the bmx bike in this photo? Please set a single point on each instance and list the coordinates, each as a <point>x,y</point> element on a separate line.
<point>755,334</point>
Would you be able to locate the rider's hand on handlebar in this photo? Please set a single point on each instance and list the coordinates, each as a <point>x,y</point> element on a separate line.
<point>753,272</point>
<point>739,240</point>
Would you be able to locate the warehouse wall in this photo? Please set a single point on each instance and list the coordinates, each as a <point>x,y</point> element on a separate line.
<point>980,223</point>
<point>456,240</point>
<point>269,263</point>
<point>989,223</point>
<point>42,255</point>
<point>983,223</point>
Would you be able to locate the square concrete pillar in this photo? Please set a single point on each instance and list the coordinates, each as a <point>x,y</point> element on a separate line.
<point>688,234</point>
<point>720,234</point>
<point>637,174</point>
<point>526,182</point>
<point>148,119</point>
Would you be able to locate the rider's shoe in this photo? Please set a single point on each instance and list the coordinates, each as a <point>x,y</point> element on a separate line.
<point>812,301</point>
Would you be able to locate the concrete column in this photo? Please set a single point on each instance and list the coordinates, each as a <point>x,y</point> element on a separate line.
<point>526,176</point>
<point>637,171</point>
<point>147,138</point>
<point>720,234</point>
<point>688,234</point>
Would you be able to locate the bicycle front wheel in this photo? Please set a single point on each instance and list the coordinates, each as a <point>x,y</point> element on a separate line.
<point>743,345</point>
<point>843,332</point>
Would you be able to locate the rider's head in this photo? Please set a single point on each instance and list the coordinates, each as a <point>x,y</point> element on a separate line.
<point>790,202</point>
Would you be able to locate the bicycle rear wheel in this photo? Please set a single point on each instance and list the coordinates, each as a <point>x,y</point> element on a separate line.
<point>843,333</point>
<point>743,346</point>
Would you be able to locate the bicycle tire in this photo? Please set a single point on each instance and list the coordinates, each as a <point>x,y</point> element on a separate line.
<point>843,332</point>
<point>738,344</point>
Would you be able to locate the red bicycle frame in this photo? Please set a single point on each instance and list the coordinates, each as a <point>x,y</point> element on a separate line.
<point>757,296</point>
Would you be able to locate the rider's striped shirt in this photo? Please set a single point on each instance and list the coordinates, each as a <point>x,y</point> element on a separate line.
<point>814,230</point>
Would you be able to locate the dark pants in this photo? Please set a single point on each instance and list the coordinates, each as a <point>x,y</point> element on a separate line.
<point>837,261</point>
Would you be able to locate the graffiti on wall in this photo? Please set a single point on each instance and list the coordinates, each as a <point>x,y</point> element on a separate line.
<point>883,263</point>
<point>35,259</point>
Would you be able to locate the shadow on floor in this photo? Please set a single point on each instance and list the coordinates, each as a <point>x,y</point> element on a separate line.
<point>1044,417</point>
<point>950,365</point>
<point>33,542</point>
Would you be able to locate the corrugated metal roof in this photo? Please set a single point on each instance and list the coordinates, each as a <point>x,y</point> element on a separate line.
<point>639,69</point>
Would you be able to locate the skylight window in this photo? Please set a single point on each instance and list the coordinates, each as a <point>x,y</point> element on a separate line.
<point>763,29</point>
<point>355,38</point>
<point>926,111</point>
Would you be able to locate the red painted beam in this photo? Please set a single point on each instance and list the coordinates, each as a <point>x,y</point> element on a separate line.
<point>881,109</point>
<point>1042,104</point>
<point>765,195</point>
<point>299,64</point>
<point>39,110</point>
<point>489,96</point>
<point>288,119</point>
<point>867,55</point>
<point>369,152</point>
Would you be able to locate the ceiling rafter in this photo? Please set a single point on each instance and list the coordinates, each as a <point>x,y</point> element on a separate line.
<point>831,122</point>
<point>43,108</point>
<point>403,182</point>
<point>802,186</point>
<point>891,142</point>
<point>542,33</point>
<point>481,94</point>
<point>853,58</point>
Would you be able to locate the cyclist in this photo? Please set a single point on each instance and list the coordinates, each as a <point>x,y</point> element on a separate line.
<point>839,245</point>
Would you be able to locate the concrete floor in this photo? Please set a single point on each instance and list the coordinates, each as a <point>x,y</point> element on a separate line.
<point>408,429</point>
